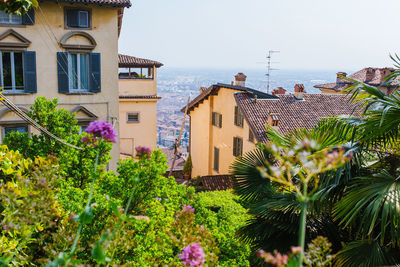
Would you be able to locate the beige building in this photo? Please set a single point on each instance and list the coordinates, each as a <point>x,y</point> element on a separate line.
<point>372,76</point>
<point>137,103</point>
<point>227,120</point>
<point>65,50</point>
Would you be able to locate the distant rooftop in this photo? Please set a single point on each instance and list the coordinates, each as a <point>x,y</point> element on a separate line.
<point>125,61</point>
<point>371,76</point>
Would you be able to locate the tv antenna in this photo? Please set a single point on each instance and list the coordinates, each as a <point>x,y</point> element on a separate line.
<point>269,69</point>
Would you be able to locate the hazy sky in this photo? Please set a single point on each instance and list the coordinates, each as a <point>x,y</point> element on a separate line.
<point>311,34</point>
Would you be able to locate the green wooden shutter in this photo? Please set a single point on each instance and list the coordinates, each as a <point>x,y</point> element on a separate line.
<point>72,18</point>
<point>95,72</point>
<point>234,146</point>
<point>29,17</point>
<point>30,71</point>
<point>62,68</point>
<point>213,119</point>
<point>236,116</point>
<point>240,146</point>
<point>216,159</point>
<point>220,120</point>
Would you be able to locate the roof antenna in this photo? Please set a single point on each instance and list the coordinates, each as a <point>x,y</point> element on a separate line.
<point>269,69</point>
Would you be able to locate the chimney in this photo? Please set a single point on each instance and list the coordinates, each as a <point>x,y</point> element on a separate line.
<point>278,91</point>
<point>273,120</point>
<point>370,74</point>
<point>299,91</point>
<point>240,79</point>
<point>203,89</point>
<point>340,80</point>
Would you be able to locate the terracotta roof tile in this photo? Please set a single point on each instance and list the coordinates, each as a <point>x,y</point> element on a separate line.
<point>293,113</point>
<point>114,3</point>
<point>125,61</point>
<point>372,76</point>
<point>216,182</point>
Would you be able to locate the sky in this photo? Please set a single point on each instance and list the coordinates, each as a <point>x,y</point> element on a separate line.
<point>237,34</point>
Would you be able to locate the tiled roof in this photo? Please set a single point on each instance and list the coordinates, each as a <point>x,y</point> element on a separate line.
<point>213,90</point>
<point>372,76</point>
<point>140,97</point>
<point>291,112</point>
<point>114,3</point>
<point>125,61</point>
<point>216,182</point>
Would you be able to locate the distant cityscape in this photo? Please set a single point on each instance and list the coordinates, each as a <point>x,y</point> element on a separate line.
<point>176,85</point>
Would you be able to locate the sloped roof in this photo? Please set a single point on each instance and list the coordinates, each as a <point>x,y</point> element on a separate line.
<point>125,61</point>
<point>292,113</point>
<point>114,3</point>
<point>216,182</point>
<point>370,75</point>
<point>213,90</point>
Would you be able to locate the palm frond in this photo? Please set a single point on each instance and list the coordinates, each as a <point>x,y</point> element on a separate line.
<point>366,253</point>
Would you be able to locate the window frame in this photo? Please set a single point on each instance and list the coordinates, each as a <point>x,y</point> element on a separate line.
<point>216,159</point>
<point>89,10</point>
<point>238,117</point>
<point>18,125</point>
<point>237,149</point>
<point>78,71</point>
<point>9,19</point>
<point>216,119</point>
<point>133,112</point>
<point>14,90</point>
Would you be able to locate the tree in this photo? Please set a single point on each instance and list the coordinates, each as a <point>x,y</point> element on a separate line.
<point>19,7</point>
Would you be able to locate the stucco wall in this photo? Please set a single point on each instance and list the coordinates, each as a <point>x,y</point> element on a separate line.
<point>205,136</point>
<point>144,132</point>
<point>45,35</point>
<point>138,86</point>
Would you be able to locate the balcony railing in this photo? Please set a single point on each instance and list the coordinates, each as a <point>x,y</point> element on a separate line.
<point>133,76</point>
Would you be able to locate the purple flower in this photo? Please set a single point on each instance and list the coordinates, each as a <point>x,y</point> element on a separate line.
<point>187,208</point>
<point>192,255</point>
<point>102,129</point>
<point>143,151</point>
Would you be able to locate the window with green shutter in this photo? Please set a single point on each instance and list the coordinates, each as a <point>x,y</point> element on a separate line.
<point>237,146</point>
<point>216,119</point>
<point>216,159</point>
<point>251,136</point>
<point>238,120</point>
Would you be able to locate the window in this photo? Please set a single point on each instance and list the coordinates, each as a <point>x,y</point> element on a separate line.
<point>78,72</point>
<point>275,122</point>
<point>12,75</point>
<point>237,146</point>
<point>132,117</point>
<point>82,128</point>
<point>216,159</point>
<point>238,120</point>
<point>15,128</point>
<point>77,18</point>
<point>10,18</point>
<point>251,136</point>
<point>217,119</point>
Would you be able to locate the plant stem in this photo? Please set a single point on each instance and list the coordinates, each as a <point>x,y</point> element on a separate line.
<point>302,229</point>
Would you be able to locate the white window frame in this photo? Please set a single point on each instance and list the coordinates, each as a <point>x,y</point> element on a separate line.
<point>132,112</point>
<point>78,73</point>
<point>79,18</point>
<point>13,86</point>
<point>10,20</point>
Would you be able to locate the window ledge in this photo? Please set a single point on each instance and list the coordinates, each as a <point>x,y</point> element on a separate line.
<point>8,25</point>
<point>17,93</point>
<point>79,93</point>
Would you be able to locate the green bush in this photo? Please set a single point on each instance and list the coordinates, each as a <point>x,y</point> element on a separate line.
<point>222,214</point>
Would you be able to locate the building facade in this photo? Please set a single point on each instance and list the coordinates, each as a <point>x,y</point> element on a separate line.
<point>372,76</point>
<point>227,120</point>
<point>64,50</point>
<point>137,103</point>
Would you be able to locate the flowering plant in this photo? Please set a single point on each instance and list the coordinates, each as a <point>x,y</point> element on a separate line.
<point>97,130</point>
<point>192,255</point>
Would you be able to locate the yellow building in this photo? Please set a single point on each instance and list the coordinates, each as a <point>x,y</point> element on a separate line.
<point>372,76</point>
<point>137,103</point>
<point>65,50</point>
<point>227,120</point>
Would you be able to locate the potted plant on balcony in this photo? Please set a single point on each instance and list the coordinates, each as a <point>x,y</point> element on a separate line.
<point>187,168</point>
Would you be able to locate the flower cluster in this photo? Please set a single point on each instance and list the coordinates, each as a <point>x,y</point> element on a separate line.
<point>100,129</point>
<point>143,151</point>
<point>186,211</point>
<point>276,259</point>
<point>192,255</point>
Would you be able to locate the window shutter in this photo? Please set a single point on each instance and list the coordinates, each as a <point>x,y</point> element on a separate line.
<point>220,120</point>
<point>62,67</point>
<point>95,72</point>
<point>72,18</point>
<point>240,145</point>
<point>29,17</point>
<point>30,71</point>
<point>236,116</point>
<point>216,159</point>
<point>213,119</point>
<point>234,146</point>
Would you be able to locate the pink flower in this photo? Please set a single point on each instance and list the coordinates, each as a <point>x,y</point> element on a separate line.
<point>296,250</point>
<point>143,151</point>
<point>187,208</point>
<point>192,255</point>
<point>101,129</point>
